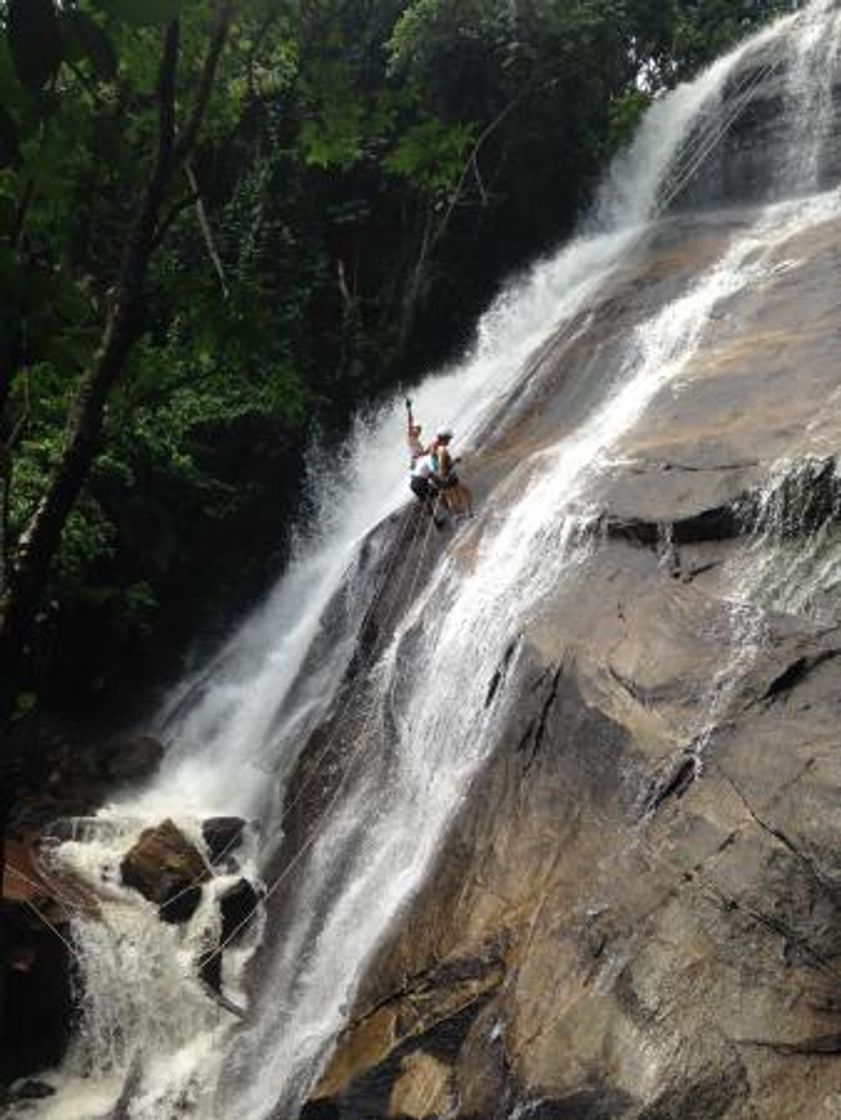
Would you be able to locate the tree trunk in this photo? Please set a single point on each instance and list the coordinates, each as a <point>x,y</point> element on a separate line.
<point>40,540</point>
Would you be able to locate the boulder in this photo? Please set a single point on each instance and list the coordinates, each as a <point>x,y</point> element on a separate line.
<point>238,907</point>
<point>166,868</point>
<point>423,1088</point>
<point>180,904</point>
<point>222,835</point>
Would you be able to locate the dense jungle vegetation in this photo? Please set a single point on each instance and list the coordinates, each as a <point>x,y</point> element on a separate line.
<point>226,225</point>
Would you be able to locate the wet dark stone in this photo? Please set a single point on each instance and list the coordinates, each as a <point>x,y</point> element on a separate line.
<point>238,907</point>
<point>222,835</point>
<point>30,1090</point>
<point>181,905</point>
<point>320,1110</point>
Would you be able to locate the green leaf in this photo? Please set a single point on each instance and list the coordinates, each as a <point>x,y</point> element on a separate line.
<point>142,13</point>
<point>34,41</point>
<point>25,702</point>
<point>84,38</point>
<point>8,138</point>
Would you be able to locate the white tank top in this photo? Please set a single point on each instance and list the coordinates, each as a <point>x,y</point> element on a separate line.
<point>422,467</point>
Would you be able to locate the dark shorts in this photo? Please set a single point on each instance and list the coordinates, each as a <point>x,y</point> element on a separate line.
<point>448,483</point>
<point>422,488</point>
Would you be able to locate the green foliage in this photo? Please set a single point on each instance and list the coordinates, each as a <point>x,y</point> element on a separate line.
<point>431,154</point>
<point>626,111</point>
<point>142,13</point>
<point>333,135</point>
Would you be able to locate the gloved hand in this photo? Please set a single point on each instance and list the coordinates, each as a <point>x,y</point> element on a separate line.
<point>408,404</point>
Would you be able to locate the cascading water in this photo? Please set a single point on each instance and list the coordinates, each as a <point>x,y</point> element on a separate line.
<point>422,737</point>
<point>809,89</point>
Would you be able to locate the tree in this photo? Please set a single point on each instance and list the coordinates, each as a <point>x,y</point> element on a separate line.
<point>34,38</point>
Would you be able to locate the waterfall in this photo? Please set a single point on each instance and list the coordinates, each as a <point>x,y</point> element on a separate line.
<point>425,723</point>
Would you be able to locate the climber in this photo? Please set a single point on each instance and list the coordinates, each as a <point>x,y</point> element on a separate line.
<point>454,494</point>
<point>413,440</point>
<point>422,483</point>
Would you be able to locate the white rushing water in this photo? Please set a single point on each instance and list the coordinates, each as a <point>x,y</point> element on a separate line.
<point>809,85</point>
<point>404,785</point>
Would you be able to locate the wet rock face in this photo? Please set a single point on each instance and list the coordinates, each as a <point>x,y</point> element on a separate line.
<point>637,912</point>
<point>222,836</point>
<point>775,145</point>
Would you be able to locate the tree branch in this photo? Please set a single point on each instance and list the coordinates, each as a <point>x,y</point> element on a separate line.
<point>204,222</point>
<point>187,140</point>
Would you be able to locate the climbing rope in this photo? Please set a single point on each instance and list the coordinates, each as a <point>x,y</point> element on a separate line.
<point>352,693</point>
<point>71,949</point>
<point>744,94</point>
<point>349,699</point>
<point>681,176</point>
<point>685,172</point>
<point>314,833</point>
<point>39,914</point>
<point>67,903</point>
<point>232,843</point>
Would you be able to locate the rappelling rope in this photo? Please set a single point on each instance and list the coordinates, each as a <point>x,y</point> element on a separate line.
<point>67,903</point>
<point>71,949</point>
<point>685,174</point>
<point>232,843</point>
<point>395,550</point>
<point>39,914</point>
<point>361,671</point>
<point>707,141</point>
<point>714,137</point>
<point>314,832</point>
<point>677,184</point>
